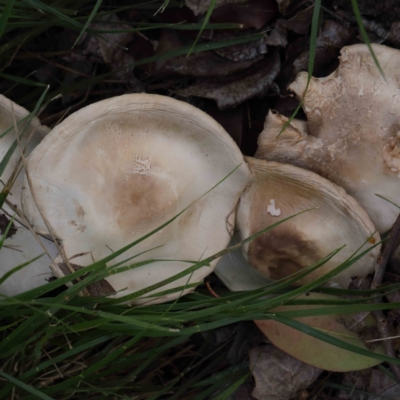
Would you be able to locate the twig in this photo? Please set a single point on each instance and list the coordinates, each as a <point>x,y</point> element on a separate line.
<point>211,290</point>
<point>381,320</point>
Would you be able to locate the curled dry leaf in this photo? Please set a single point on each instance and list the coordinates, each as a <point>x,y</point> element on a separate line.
<point>201,6</point>
<point>279,376</point>
<point>204,64</point>
<point>236,88</point>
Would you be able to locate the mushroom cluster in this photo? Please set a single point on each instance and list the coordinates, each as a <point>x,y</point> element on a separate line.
<point>120,168</point>
<point>116,170</point>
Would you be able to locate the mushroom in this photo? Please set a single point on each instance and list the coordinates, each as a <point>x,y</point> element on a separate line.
<point>352,134</point>
<point>277,191</point>
<point>117,169</point>
<point>21,246</point>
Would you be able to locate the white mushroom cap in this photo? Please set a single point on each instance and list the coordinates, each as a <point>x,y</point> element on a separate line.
<point>115,170</point>
<point>353,136</point>
<point>278,191</point>
<point>22,246</point>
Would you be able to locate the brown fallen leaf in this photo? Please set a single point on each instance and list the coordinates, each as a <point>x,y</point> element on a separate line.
<point>279,376</point>
<point>234,89</point>
<point>240,52</point>
<point>110,47</point>
<point>332,38</point>
<point>203,64</point>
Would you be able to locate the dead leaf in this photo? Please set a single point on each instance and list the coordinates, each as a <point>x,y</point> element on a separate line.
<point>394,34</point>
<point>203,64</point>
<point>282,5</point>
<point>201,6</point>
<point>332,38</point>
<point>277,37</point>
<point>355,380</point>
<point>243,51</point>
<point>374,384</point>
<point>233,90</point>
<point>300,23</point>
<point>110,47</point>
<point>383,386</point>
<point>254,14</point>
<point>279,376</point>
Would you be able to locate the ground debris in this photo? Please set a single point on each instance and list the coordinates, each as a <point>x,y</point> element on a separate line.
<point>279,376</point>
<point>235,89</point>
<point>300,23</point>
<point>4,222</point>
<point>369,384</point>
<point>110,48</point>
<point>253,14</point>
<point>201,6</point>
<point>205,64</point>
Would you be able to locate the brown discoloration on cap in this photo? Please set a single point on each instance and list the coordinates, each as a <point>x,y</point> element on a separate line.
<point>96,289</point>
<point>282,252</point>
<point>143,200</point>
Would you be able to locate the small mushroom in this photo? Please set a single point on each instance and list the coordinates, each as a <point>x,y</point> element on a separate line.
<point>117,169</point>
<point>352,134</point>
<point>21,246</point>
<point>277,191</point>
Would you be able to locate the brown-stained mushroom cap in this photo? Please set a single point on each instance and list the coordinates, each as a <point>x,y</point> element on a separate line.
<point>353,131</point>
<point>278,191</point>
<point>117,169</point>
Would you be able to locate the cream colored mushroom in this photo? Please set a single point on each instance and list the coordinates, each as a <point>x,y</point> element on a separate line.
<point>352,136</point>
<point>278,191</point>
<point>117,169</point>
<point>22,246</point>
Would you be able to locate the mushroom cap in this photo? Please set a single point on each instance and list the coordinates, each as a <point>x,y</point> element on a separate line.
<point>278,191</point>
<point>117,169</point>
<point>22,246</point>
<point>353,136</point>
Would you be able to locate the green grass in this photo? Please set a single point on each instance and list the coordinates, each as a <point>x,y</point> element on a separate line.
<point>57,344</point>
